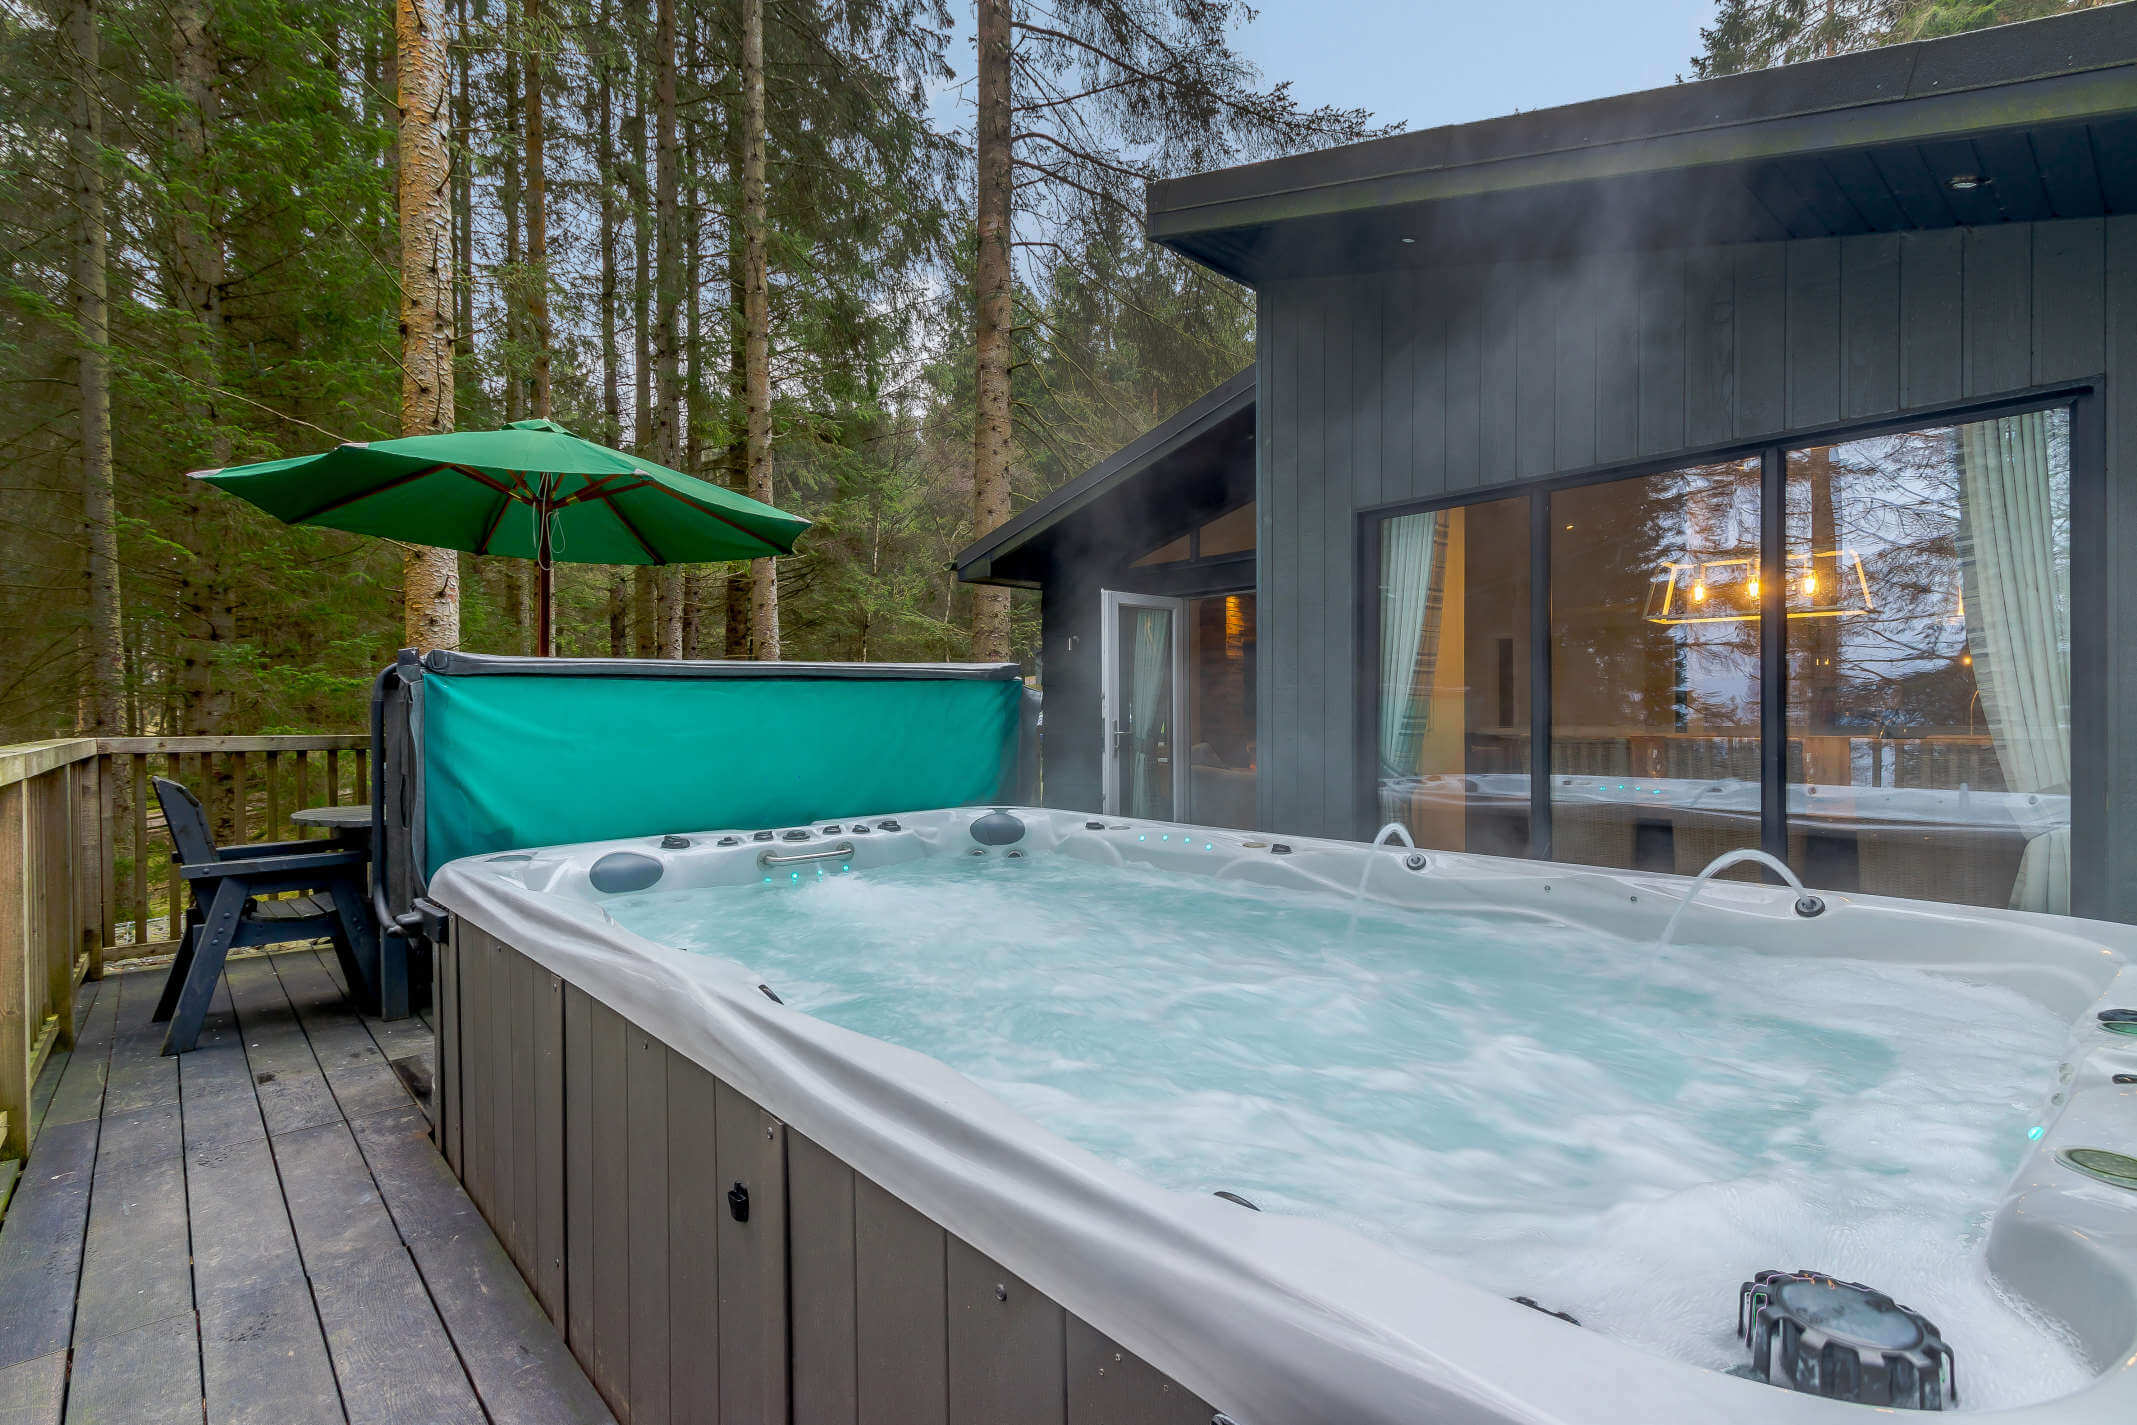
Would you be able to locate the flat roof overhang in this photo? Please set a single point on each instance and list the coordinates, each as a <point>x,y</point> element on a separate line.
<point>2044,113</point>
<point>1181,472</point>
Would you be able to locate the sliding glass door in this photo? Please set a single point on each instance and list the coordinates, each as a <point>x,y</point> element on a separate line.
<point>1856,655</point>
<point>1929,663</point>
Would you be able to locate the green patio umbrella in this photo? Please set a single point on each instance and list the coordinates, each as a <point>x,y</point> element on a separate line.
<point>532,490</point>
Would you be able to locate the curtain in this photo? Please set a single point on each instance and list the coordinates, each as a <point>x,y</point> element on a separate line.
<point>1406,547</point>
<point>1151,672</point>
<point>2014,561</point>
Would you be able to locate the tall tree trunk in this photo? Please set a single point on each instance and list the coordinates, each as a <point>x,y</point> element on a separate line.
<point>542,621</point>
<point>463,192</point>
<point>85,161</point>
<point>511,288</point>
<point>430,578</point>
<point>991,290</point>
<point>736,458</point>
<point>619,621</point>
<point>645,580</point>
<point>204,594</point>
<point>693,411</point>
<point>756,328</point>
<point>667,287</point>
<point>605,187</point>
<point>537,275</point>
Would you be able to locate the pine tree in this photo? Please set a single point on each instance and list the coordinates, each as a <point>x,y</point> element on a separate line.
<point>1078,107</point>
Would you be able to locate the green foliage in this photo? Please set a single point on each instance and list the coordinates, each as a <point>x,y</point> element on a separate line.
<point>1758,34</point>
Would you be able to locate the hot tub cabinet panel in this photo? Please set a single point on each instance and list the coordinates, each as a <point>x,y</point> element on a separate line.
<point>706,1263</point>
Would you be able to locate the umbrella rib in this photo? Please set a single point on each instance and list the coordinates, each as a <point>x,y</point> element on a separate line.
<point>497,517</point>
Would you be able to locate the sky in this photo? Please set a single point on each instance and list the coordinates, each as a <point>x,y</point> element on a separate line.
<point>1430,62</point>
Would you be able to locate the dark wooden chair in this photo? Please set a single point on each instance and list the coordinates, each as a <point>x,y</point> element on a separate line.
<point>226,910</point>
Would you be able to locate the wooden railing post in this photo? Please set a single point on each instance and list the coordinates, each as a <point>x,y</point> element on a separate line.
<point>19,1021</point>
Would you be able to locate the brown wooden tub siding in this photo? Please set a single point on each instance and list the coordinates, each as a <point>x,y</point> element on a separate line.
<point>583,1140</point>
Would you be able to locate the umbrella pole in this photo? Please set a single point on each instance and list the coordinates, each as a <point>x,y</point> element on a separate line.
<point>544,579</point>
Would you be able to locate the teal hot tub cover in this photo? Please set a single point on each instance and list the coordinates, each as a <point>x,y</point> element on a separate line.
<point>476,753</point>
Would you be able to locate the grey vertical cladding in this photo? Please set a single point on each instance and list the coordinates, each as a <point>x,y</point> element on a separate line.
<point>1709,348</point>
<point>1008,1346</point>
<point>1110,1386</point>
<point>1614,296</point>
<point>1932,268</point>
<point>645,1110</point>
<point>546,1002</point>
<point>1536,371</point>
<point>2069,293</point>
<point>1573,376</point>
<point>610,1362</point>
<point>1661,419</point>
<point>1761,338</point>
<point>752,1256</point>
<point>1869,326</point>
<point>1812,355</point>
<point>1499,395</point>
<point>820,1225</point>
<point>900,1343</point>
<point>2120,604</point>
<point>1501,374</point>
<point>446,1075</point>
<point>694,1207</point>
<point>1998,310</point>
<point>579,1112</point>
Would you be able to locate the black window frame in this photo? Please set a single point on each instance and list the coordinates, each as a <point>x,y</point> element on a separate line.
<point>2089,652</point>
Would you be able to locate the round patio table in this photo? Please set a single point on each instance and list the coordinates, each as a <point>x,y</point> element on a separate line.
<point>352,820</point>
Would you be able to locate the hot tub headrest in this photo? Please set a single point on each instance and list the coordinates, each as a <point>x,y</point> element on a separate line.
<point>474,753</point>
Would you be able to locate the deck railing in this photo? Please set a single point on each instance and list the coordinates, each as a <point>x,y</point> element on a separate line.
<point>86,873</point>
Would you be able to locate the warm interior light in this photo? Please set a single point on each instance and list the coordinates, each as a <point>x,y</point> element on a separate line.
<point>1754,588</point>
<point>1699,593</point>
<point>1810,583</point>
<point>1967,659</point>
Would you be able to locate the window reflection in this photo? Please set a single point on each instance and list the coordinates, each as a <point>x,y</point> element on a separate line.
<point>1655,668</point>
<point>1929,714</point>
<point>1454,660</point>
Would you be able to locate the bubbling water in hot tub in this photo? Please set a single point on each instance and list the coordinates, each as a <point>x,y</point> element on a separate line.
<point>1494,1096</point>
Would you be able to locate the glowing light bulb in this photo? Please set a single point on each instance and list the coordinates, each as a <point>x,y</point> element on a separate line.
<point>1699,593</point>
<point>1810,583</point>
<point>1754,588</point>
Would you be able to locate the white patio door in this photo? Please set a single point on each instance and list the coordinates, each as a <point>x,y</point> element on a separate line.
<point>1145,705</point>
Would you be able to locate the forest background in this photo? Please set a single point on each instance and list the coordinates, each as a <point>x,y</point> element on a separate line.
<point>739,236</point>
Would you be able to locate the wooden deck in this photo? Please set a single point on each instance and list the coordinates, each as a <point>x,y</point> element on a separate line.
<point>260,1230</point>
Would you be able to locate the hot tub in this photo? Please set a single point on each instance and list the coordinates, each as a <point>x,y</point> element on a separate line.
<point>991,1114</point>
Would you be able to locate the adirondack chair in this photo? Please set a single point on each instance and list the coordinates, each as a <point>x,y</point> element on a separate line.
<point>226,912</point>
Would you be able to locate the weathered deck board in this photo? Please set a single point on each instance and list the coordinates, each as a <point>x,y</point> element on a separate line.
<point>260,1230</point>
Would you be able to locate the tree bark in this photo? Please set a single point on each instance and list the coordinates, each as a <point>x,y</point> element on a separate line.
<point>537,275</point>
<point>667,289</point>
<point>85,161</point>
<point>430,578</point>
<point>204,594</point>
<point>463,193</point>
<point>619,620</point>
<point>605,185</point>
<point>756,328</point>
<point>992,294</point>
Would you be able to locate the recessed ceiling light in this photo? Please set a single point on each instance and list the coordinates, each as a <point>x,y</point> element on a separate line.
<point>1409,240</point>
<point>1965,182</point>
